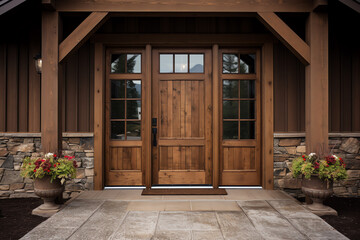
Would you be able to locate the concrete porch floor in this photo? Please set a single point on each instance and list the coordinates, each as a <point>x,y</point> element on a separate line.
<point>242,214</point>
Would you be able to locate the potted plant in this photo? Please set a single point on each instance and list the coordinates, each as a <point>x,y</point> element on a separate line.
<point>49,173</point>
<point>318,175</point>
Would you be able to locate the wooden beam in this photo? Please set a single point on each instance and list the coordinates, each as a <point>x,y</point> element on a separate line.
<point>51,139</point>
<point>267,88</point>
<point>48,5</point>
<point>320,5</point>
<point>81,33</point>
<point>184,6</point>
<point>352,4</point>
<point>286,35</point>
<point>99,109</point>
<point>216,115</point>
<point>316,84</point>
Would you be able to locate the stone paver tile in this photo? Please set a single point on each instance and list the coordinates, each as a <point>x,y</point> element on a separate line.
<point>204,221</point>
<point>79,208</point>
<point>146,206</point>
<point>214,206</point>
<point>236,225</point>
<point>169,221</point>
<point>177,206</point>
<point>172,235</point>
<point>49,233</point>
<point>103,222</point>
<point>268,222</point>
<point>291,209</point>
<point>317,229</point>
<point>63,222</point>
<point>193,197</point>
<point>206,235</point>
<point>92,234</point>
<point>137,225</point>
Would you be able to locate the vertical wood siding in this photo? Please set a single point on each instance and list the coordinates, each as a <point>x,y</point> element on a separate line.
<point>20,92</point>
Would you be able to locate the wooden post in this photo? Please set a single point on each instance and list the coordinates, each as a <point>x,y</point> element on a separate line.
<point>216,115</point>
<point>268,116</point>
<point>147,107</point>
<point>51,139</point>
<point>316,84</point>
<point>99,109</point>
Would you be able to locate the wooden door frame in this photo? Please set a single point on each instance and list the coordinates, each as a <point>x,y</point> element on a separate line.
<point>267,133</point>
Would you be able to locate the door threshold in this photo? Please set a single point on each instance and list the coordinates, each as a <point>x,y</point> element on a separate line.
<point>184,191</point>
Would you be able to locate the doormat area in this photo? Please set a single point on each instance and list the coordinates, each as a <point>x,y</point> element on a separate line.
<point>184,191</point>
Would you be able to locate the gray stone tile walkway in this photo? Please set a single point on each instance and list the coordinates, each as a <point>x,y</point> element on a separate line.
<point>256,218</point>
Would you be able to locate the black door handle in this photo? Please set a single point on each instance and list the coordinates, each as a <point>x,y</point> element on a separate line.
<point>154,131</point>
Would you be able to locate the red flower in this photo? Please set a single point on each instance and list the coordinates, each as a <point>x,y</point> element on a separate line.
<point>327,165</point>
<point>54,165</point>
<point>304,159</point>
<point>34,170</point>
<point>54,155</point>
<point>303,156</point>
<point>29,163</point>
<point>42,160</point>
<point>48,170</point>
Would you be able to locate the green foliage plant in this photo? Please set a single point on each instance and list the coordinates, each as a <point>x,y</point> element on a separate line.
<point>331,167</point>
<point>49,165</point>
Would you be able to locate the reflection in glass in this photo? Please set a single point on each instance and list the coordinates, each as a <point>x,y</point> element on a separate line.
<point>133,89</point>
<point>196,63</point>
<point>118,130</point>
<point>117,109</point>
<point>133,109</point>
<point>230,88</point>
<point>247,130</point>
<point>166,63</point>
<point>247,63</point>
<point>181,63</point>
<point>134,63</point>
<point>133,130</point>
<point>230,110</point>
<point>247,109</point>
<point>230,63</point>
<point>118,63</point>
<point>117,88</point>
<point>230,130</point>
<point>247,89</point>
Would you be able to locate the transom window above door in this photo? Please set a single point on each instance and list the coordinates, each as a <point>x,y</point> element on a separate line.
<point>126,63</point>
<point>238,63</point>
<point>181,63</point>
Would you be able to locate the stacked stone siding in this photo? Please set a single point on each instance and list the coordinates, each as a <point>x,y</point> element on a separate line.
<point>286,149</point>
<point>14,149</point>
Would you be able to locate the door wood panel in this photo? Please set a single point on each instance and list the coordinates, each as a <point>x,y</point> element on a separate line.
<point>182,104</point>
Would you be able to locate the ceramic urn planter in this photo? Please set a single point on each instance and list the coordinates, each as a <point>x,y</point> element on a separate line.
<point>318,190</point>
<point>48,191</point>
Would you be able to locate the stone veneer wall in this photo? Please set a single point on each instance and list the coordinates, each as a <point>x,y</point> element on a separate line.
<point>14,149</point>
<point>286,149</point>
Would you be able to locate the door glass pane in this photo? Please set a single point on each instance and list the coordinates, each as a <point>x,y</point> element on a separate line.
<point>230,110</point>
<point>196,63</point>
<point>133,130</point>
<point>117,109</point>
<point>230,130</point>
<point>181,63</point>
<point>247,89</point>
<point>118,63</point>
<point>117,88</point>
<point>166,63</point>
<point>134,63</point>
<point>118,130</point>
<point>247,130</point>
<point>247,63</point>
<point>230,89</point>
<point>247,109</point>
<point>230,63</point>
<point>133,108</point>
<point>133,89</point>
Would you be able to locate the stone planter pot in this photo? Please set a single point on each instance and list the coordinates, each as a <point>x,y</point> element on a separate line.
<point>48,191</point>
<point>318,190</point>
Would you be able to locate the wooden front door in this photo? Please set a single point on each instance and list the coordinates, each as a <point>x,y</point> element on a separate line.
<point>241,120</point>
<point>181,117</point>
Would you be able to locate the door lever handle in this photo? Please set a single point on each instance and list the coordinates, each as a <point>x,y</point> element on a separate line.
<point>154,131</point>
